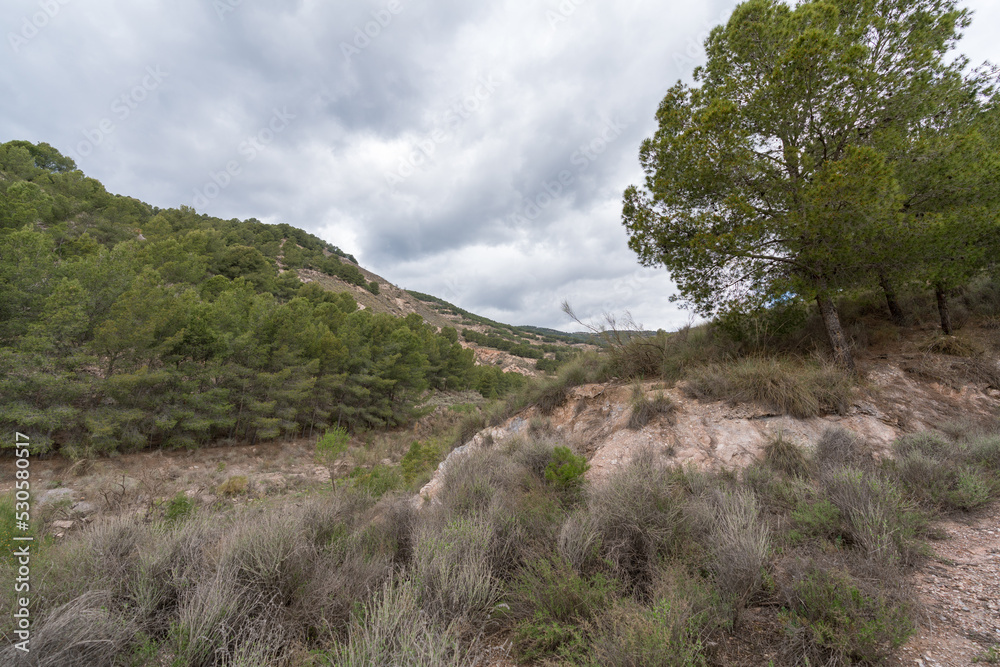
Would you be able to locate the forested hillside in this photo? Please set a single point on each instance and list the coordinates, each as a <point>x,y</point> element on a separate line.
<point>127,326</point>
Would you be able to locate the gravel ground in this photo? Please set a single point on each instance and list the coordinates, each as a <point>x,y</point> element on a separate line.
<point>959,589</point>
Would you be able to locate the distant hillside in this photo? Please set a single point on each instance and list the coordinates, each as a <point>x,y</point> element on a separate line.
<point>125,326</point>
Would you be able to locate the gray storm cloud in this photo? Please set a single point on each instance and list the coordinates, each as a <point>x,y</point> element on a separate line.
<point>475,151</point>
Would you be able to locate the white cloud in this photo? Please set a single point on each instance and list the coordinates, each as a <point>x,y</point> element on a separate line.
<point>458,223</point>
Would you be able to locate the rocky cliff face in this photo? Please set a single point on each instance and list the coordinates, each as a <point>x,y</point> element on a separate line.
<point>594,419</point>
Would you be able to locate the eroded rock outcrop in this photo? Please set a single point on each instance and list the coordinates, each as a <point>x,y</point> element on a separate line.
<point>594,420</point>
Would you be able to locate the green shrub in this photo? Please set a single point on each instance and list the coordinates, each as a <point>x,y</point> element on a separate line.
<point>8,525</point>
<point>547,365</point>
<point>819,518</point>
<point>663,635</point>
<point>990,656</point>
<point>178,508</point>
<point>377,480</point>
<point>984,451</point>
<point>777,491</point>
<point>420,458</point>
<point>763,327</point>
<point>938,484</point>
<point>565,471</point>
<point>234,486</point>
<point>684,611</point>
<point>832,619</point>
<point>949,475</point>
<point>332,446</point>
<point>550,601</point>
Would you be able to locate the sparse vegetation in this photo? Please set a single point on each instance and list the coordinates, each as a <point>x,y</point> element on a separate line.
<point>644,409</point>
<point>653,566</point>
<point>788,387</point>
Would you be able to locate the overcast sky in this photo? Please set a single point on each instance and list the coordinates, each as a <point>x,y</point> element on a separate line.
<point>473,150</point>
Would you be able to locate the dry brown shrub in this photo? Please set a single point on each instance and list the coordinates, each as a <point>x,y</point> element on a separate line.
<point>637,515</point>
<point>84,631</point>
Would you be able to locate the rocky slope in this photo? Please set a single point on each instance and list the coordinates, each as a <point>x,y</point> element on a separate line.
<point>594,420</point>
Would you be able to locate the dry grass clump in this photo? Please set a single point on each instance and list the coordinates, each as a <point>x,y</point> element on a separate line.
<point>740,544</point>
<point>840,447</point>
<point>955,346</point>
<point>799,389</point>
<point>644,409</point>
<point>83,631</point>
<point>786,457</point>
<point>471,482</point>
<point>637,517</point>
<point>451,568</point>
<point>392,629</point>
<point>879,519</point>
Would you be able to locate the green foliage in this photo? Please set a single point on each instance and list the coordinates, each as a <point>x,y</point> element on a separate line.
<point>746,204</point>
<point>990,656</point>
<point>332,445</point>
<point>551,601</point>
<point>234,486</point>
<point>547,365</point>
<point>502,343</point>
<point>960,474</point>
<point>834,619</point>
<point>565,471</point>
<point>178,508</point>
<point>8,526</point>
<point>667,633</point>
<point>420,459</point>
<point>377,480</point>
<point>111,343</point>
<point>878,519</point>
<point>819,518</point>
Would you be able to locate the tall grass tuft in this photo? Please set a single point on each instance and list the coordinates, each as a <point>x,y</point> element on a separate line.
<point>795,388</point>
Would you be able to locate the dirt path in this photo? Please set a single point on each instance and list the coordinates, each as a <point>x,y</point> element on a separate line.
<point>959,589</point>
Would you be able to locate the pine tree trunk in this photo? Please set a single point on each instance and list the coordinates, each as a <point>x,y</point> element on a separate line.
<point>895,311</point>
<point>942,303</point>
<point>841,350</point>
